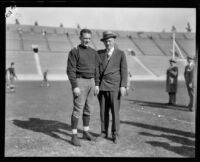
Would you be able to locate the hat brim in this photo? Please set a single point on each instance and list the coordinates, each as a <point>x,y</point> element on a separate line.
<point>111,36</point>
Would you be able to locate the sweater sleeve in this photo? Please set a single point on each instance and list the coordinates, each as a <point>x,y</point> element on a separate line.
<point>71,68</point>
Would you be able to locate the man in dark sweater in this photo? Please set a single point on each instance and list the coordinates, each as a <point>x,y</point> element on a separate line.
<point>82,71</point>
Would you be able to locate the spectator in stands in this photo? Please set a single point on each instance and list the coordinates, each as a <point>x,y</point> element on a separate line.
<point>45,80</point>
<point>83,76</point>
<point>12,76</point>
<point>113,83</point>
<point>189,80</point>
<point>172,82</point>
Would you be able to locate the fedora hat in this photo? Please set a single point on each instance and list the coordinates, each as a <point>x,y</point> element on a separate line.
<point>172,60</point>
<point>107,35</point>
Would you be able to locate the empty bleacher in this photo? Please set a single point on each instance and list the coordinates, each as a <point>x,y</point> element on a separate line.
<point>31,38</point>
<point>24,62</point>
<point>13,41</point>
<point>58,42</point>
<point>166,45</point>
<point>152,49</point>
<point>188,46</point>
<point>148,46</point>
<point>126,44</point>
<point>134,67</point>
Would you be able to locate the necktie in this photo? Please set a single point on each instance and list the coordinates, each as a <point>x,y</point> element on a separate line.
<point>108,55</point>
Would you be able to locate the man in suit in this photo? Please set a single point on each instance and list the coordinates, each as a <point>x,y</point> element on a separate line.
<point>189,81</point>
<point>81,71</point>
<point>172,82</point>
<point>113,83</point>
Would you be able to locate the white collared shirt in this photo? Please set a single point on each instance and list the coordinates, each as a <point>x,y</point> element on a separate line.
<point>110,52</point>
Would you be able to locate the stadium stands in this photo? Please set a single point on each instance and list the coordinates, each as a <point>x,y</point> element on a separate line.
<point>165,44</point>
<point>126,44</point>
<point>24,62</point>
<point>134,67</point>
<point>148,46</point>
<point>147,52</point>
<point>58,42</point>
<point>188,46</point>
<point>13,41</point>
<point>27,28</point>
<point>190,35</point>
<point>30,39</point>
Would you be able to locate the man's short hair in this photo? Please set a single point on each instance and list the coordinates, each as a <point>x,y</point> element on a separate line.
<point>12,63</point>
<point>85,31</point>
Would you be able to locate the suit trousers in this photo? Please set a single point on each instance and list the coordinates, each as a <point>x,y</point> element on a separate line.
<point>191,95</point>
<point>109,100</point>
<point>172,97</point>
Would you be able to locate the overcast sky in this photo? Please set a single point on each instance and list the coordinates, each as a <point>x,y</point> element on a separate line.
<point>134,19</point>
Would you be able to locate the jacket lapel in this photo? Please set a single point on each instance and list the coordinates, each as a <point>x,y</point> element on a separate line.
<point>111,61</point>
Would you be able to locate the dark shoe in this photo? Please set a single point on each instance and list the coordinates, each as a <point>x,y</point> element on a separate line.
<point>88,136</point>
<point>190,109</point>
<point>75,141</point>
<point>101,137</point>
<point>115,139</point>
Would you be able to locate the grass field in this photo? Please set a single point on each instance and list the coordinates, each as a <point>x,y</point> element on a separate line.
<point>37,123</point>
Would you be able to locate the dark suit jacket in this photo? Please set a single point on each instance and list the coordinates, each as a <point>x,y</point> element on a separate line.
<point>172,79</point>
<point>114,74</point>
<point>188,74</point>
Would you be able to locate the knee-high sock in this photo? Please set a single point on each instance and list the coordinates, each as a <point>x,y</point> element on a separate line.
<point>86,120</point>
<point>74,122</point>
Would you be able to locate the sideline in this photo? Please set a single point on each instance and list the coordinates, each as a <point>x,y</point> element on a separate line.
<point>63,77</point>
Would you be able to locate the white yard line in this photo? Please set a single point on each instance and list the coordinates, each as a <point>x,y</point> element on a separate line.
<point>162,116</point>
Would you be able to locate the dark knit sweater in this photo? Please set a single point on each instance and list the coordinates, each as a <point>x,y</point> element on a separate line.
<point>82,63</point>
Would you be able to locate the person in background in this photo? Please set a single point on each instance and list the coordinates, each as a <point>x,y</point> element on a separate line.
<point>7,79</point>
<point>189,81</point>
<point>45,80</point>
<point>129,87</point>
<point>172,81</point>
<point>12,76</point>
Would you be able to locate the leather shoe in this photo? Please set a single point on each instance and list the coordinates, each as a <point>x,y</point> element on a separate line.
<point>101,137</point>
<point>115,139</point>
<point>88,136</point>
<point>75,141</point>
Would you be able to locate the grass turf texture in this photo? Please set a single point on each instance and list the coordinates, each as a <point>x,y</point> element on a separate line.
<point>37,123</point>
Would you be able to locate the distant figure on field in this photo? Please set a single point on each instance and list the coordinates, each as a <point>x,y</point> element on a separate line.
<point>189,81</point>
<point>7,79</point>
<point>129,83</point>
<point>172,82</point>
<point>12,77</point>
<point>45,80</point>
